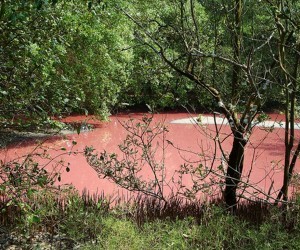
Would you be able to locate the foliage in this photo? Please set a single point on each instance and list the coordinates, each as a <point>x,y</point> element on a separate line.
<point>88,57</point>
<point>140,164</point>
<point>58,58</point>
<point>62,57</point>
<point>81,58</point>
<point>25,43</point>
<point>140,150</point>
<point>91,223</point>
<point>232,61</point>
<point>22,178</point>
<point>95,67</point>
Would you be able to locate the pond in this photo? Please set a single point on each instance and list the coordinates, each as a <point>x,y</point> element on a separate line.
<point>189,141</point>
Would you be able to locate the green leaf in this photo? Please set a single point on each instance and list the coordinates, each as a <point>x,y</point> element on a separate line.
<point>35,219</point>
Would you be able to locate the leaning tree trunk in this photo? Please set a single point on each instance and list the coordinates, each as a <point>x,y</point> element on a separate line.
<point>234,170</point>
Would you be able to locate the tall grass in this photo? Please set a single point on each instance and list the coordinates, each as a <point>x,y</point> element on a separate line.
<point>91,222</point>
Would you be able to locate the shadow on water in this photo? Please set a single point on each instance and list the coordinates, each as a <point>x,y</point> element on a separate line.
<point>16,139</point>
<point>12,139</point>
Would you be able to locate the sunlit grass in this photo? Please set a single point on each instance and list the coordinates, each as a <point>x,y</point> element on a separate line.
<point>92,223</point>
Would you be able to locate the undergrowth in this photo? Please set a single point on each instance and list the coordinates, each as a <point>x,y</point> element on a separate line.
<point>94,222</point>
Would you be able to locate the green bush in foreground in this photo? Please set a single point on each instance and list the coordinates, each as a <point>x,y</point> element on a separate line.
<point>90,223</point>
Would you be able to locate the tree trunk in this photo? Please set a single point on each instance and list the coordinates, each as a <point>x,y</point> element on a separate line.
<point>290,112</point>
<point>234,170</point>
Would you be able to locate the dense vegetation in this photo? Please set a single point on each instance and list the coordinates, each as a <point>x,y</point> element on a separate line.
<point>62,57</point>
<point>239,58</point>
<point>69,221</point>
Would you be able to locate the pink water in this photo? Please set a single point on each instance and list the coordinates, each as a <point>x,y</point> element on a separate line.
<point>263,159</point>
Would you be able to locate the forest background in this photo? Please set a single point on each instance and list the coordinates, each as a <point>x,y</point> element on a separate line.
<point>63,57</point>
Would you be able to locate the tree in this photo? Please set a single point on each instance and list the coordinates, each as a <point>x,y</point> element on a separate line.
<point>239,56</point>
<point>58,57</point>
<point>286,19</point>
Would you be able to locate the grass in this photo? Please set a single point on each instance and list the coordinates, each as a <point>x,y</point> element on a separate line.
<point>91,223</point>
<point>222,232</point>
